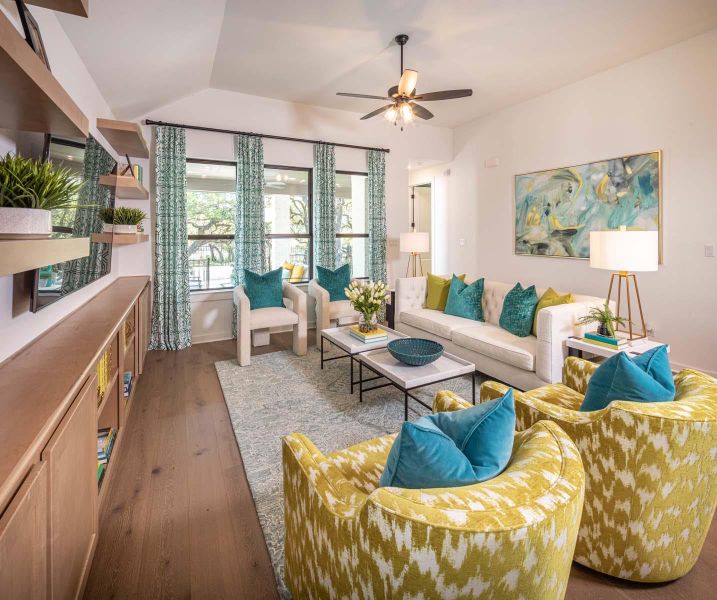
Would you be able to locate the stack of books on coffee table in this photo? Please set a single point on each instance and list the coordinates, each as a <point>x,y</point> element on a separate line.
<point>377,335</point>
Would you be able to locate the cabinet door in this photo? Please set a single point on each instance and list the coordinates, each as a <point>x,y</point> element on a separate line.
<point>71,456</point>
<point>144,318</point>
<point>23,540</point>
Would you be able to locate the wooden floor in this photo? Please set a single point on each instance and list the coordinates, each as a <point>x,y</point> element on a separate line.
<point>179,520</point>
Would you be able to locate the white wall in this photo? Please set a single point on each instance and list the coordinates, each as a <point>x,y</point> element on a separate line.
<point>666,101</point>
<point>70,71</point>
<point>211,312</point>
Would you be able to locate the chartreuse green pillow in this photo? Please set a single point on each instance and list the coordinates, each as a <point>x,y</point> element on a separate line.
<point>437,291</point>
<point>334,282</point>
<point>264,291</point>
<point>465,300</point>
<point>453,449</point>
<point>519,310</point>
<point>550,298</point>
<point>645,378</point>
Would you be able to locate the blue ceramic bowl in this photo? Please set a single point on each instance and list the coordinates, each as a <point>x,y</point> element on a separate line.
<point>415,351</point>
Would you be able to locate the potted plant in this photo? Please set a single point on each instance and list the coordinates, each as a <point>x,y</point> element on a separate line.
<point>107,215</point>
<point>367,298</point>
<point>126,220</point>
<point>29,190</point>
<point>604,318</point>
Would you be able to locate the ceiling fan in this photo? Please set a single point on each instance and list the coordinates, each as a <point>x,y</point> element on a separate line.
<point>403,107</point>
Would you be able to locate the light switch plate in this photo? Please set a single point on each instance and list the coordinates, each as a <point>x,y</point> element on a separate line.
<point>462,242</point>
<point>710,250</point>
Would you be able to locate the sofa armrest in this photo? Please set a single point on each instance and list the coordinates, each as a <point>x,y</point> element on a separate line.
<point>322,299</point>
<point>448,401</point>
<point>577,373</point>
<point>555,326</point>
<point>297,297</point>
<point>410,293</point>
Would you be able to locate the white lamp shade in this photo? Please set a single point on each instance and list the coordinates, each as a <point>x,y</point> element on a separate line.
<point>415,241</point>
<point>624,250</point>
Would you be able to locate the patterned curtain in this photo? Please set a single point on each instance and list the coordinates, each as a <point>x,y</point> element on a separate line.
<point>377,215</point>
<point>325,247</point>
<point>78,273</point>
<point>171,313</point>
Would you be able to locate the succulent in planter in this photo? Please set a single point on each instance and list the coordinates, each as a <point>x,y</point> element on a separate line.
<point>107,215</point>
<point>127,220</point>
<point>29,190</point>
<point>605,319</point>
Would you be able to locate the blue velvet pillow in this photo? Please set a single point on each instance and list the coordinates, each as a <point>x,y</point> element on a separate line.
<point>645,378</point>
<point>265,290</point>
<point>453,449</point>
<point>465,300</point>
<point>519,310</point>
<point>334,282</point>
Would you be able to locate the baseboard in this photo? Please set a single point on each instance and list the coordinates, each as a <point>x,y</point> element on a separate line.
<point>677,367</point>
<point>205,338</point>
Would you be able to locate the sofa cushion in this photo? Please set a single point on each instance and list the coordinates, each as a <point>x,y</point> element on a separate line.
<point>341,308</point>
<point>498,343</point>
<point>437,291</point>
<point>434,321</point>
<point>464,300</point>
<point>518,310</point>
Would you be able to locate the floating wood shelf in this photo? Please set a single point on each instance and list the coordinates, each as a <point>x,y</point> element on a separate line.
<point>125,137</point>
<point>120,239</point>
<point>17,256</point>
<point>31,99</point>
<point>126,187</point>
<point>73,7</point>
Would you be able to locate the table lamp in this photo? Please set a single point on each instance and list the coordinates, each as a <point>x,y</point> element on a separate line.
<point>625,252</point>
<point>414,242</point>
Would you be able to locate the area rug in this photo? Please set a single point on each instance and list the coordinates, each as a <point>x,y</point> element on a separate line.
<point>280,393</point>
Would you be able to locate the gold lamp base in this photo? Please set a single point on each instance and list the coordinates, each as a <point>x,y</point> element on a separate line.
<point>625,276</point>
<point>416,256</point>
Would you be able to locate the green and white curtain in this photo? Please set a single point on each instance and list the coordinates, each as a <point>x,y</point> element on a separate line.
<point>171,312</point>
<point>325,248</point>
<point>377,215</point>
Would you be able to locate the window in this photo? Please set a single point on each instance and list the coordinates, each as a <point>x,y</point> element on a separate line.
<point>287,221</point>
<point>352,221</point>
<point>211,200</point>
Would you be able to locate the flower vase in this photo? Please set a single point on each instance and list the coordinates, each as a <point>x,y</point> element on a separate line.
<point>602,330</point>
<point>367,323</point>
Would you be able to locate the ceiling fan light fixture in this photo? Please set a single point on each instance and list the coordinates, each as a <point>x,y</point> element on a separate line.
<point>391,114</point>
<point>406,112</point>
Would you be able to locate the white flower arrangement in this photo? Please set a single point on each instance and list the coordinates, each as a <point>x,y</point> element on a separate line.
<point>367,297</point>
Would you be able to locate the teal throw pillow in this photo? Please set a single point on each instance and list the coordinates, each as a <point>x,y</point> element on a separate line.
<point>519,310</point>
<point>264,291</point>
<point>465,300</point>
<point>334,282</point>
<point>645,378</point>
<point>453,449</point>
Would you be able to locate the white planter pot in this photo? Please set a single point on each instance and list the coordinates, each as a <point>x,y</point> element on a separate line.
<point>106,227</point>
<point>25,222</point>
<point>125,228</point>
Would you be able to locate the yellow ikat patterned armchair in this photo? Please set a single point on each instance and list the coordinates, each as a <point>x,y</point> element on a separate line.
<point>651,471</point>
<point>509,537</point>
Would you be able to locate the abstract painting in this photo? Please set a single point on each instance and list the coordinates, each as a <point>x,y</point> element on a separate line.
<point>556,210</point>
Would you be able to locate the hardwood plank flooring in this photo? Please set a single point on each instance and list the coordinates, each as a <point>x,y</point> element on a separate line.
<point>179,520</point>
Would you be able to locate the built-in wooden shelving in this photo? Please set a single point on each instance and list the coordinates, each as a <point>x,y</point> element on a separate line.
<point>124,136</point>
<point>120,239</point>
<point>74,7</point>
<point>126,187</point>
<point>31,99</point>
<point>17,256</point>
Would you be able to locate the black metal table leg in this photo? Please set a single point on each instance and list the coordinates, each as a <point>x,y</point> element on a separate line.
<point>405,405</point>
<point>351,358</point>
<point>322,352</point>
<point>473,381</point>
<point>360,381</point>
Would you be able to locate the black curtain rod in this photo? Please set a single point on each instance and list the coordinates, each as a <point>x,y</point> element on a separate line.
<point>263,135</point>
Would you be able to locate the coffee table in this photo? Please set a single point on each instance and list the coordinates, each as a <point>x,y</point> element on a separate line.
<point>407,378</point>
<point>351,347</point>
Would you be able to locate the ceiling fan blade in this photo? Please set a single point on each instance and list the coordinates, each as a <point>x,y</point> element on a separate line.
<point>393,91</point>
<point>421,112</point>
<point>407,83</point>
<point>369,96</point>
<point>444,95</point>
<point>378,111</point>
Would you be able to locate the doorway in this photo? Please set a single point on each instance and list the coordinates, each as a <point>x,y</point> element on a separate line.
<point>422,206</point>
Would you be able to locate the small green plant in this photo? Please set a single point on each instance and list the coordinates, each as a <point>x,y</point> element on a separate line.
<point>603,317</point>
<point>128,216</point>
<point>28,183</point>
<point>107,214</point>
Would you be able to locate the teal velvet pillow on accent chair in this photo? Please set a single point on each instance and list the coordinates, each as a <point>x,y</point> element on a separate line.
<point>518,310</point>
<point>334,282</point>
<point>465,300</point>
<point>332,306</point>
<point>260,306</point>
<point>453,448</point>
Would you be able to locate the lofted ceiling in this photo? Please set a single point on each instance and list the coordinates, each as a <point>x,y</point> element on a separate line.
<point>146,54</point>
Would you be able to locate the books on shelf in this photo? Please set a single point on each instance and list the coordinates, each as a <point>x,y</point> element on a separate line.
<point>105,442</point>
<point>377,335</point>
<point>100,472</point>
<point>127,383</point>
<point>613,341</point>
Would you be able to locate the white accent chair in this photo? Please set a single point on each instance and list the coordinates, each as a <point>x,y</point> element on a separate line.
<point>330,314</point>
<point>258,323</point>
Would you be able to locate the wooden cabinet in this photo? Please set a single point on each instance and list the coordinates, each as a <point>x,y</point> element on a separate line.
<point>71,457</point>
<point>144,320</point>
<point>23,540</point>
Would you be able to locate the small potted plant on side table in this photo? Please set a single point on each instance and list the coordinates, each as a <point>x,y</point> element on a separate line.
<point>605,319</point>
<point>367,298</point>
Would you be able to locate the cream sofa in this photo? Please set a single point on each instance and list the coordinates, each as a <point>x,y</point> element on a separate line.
<point>524,363</point>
